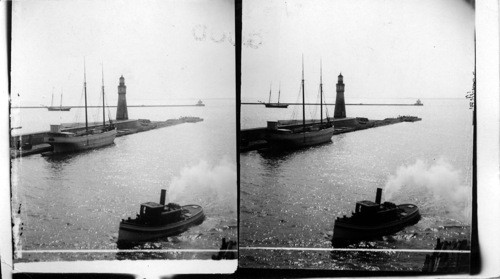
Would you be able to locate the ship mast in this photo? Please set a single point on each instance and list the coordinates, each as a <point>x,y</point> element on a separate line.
<point>103,110</point>
<point>60,105</point>
<point>303,99</point>
<point>52,100</point>
<point>270,87</point>
<point>279,93</point>
<point>85,91</point>
<point>321,92</point>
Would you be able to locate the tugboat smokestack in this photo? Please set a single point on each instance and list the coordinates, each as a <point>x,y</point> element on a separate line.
<point>162,197</point>
<point>378,198</point>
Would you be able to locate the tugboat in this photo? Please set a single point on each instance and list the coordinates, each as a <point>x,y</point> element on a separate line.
<point>159,220</point>
<point>372,220</point>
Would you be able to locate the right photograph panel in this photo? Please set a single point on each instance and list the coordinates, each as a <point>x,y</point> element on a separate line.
<point>356,138</point>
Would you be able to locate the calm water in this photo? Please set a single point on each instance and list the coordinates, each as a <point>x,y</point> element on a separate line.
<point>77,201</point>
<point>292,199</point>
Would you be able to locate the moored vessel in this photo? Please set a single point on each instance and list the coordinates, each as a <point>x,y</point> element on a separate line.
<point>297,136</point>
<point>67,142</point>
<point>418,103</point>
<point>373,219</point>
<point>290,138</point>
<point>157,220</point>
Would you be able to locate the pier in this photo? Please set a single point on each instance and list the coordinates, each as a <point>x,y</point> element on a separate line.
<point>255,138</point>
<point>332,104</point>
<point>33,143</point>
<point>444,263</point>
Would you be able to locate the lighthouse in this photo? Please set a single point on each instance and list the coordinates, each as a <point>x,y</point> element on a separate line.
<point>340,103</point>
<point>121,111</point>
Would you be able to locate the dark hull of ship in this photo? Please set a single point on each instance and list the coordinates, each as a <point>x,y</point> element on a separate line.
<point>279,139</point>
<point>64,144</point>
<point>58,108</point>
<point>130,232</point>
<point>276,105</point>
<point>346,231</point>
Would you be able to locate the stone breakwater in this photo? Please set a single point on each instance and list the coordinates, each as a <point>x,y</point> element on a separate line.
<point>254,139</point>
<point>29,144</point>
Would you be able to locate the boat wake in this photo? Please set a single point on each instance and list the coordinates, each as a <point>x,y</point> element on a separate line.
<point>437,187</point>
<point>206,184</point>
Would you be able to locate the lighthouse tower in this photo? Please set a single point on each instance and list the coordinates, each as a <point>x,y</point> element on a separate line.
<point>340,103</point>
<point>121,111</point>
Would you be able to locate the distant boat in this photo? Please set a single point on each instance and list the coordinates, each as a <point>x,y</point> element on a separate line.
<point>190,119</point>
<point>373,219</point>
<point>200,103</point>
<point>66,142</point>
<point>296,136</point>
<point>57,108</point>
<point>275,105</point>
<point>157,220</point>
<point>418,103</point>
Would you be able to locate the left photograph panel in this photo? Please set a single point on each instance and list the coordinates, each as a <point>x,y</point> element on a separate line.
<point>123,143</point>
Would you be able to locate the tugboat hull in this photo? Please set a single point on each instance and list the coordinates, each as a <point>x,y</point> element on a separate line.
<point>130,232</point>
<point>345,231</point>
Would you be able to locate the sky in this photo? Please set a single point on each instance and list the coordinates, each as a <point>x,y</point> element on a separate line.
<point>169,51</point>
<point>383,48</point>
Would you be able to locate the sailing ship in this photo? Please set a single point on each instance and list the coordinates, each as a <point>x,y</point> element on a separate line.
<point>157,220</point>
<point>66,142</point>
<point>373,219</point>
<point>297,136</point>
<point>57,108</point>
<point>275,105</point>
